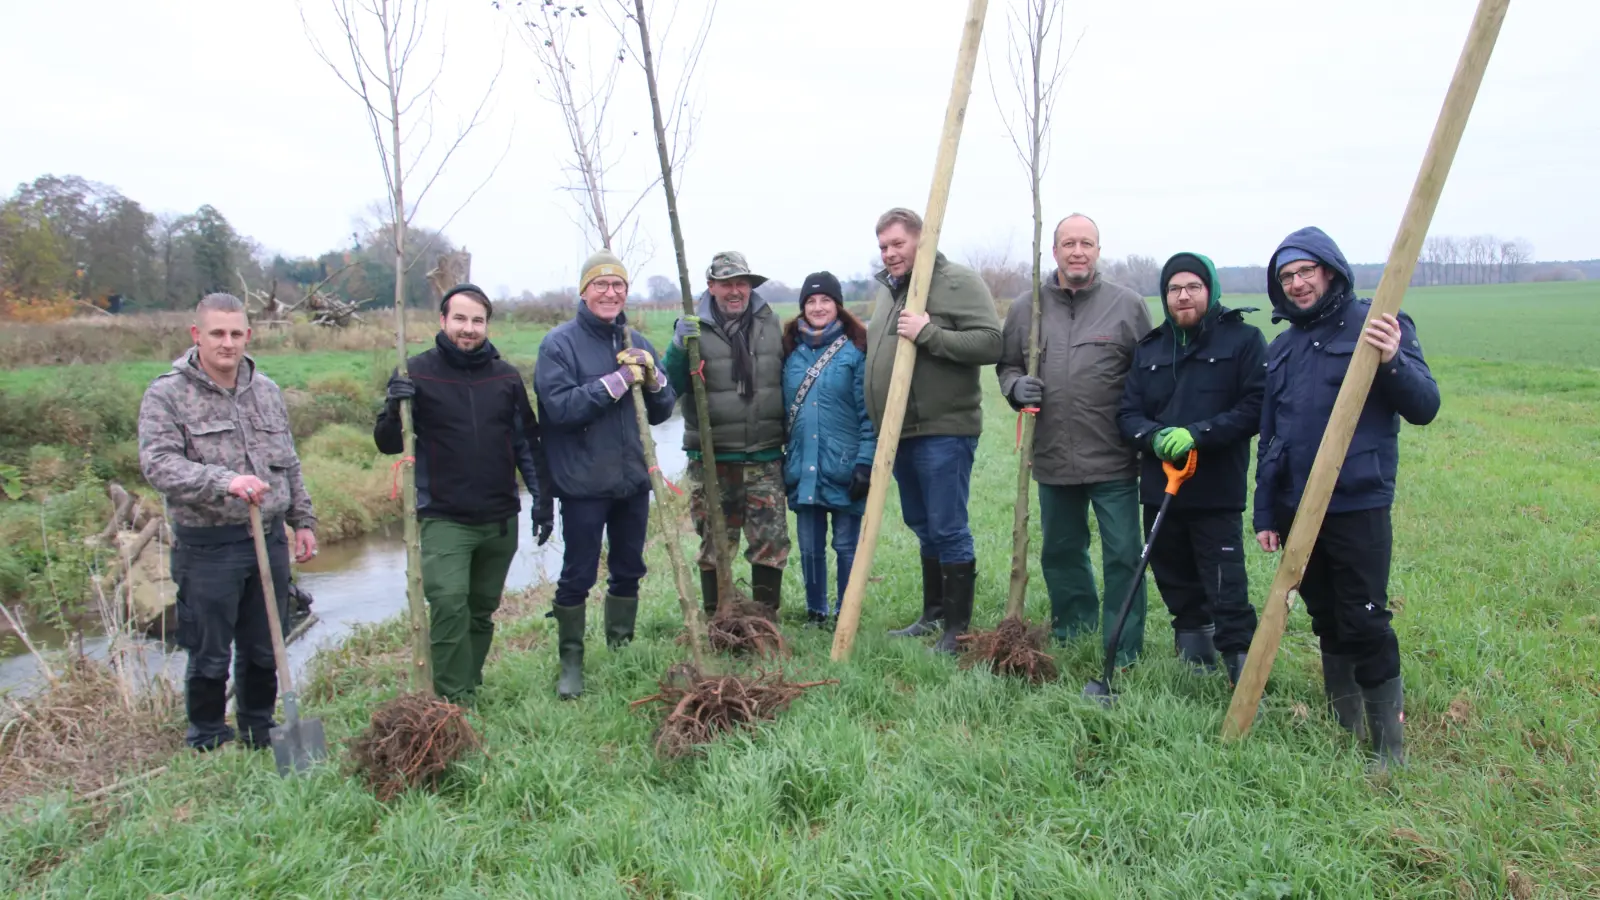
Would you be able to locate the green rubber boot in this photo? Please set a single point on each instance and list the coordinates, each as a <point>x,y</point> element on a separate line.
<point>570,621</point>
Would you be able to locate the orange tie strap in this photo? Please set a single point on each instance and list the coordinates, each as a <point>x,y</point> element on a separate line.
<point>1025,411</point>
<point>666,481</point>
<point>394,470</point>
<point>700,370</point>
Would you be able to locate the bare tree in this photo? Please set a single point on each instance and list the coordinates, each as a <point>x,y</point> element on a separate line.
<point>382,39</point>
<point>1036,63</point>
<point>1006,278</point>
<point>1514,255</point>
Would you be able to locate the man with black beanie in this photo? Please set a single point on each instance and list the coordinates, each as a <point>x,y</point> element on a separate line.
<point>1196,383</point>
<point>474,430</point>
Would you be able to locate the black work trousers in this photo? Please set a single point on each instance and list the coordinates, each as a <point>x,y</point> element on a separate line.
<point>1346,590</point>
<point>222,619</point>
<point>622,522</point>
<point>1198,564</point>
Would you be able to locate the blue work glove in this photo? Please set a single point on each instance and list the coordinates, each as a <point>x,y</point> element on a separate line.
<point>686,327</point>
<point>1173,444</point>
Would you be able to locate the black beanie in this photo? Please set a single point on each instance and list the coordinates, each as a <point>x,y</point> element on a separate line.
<point>466,287</point>
<point>821,283</point>
<point>1191,263</point>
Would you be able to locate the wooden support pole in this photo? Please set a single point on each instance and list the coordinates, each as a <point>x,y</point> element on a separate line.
<point>905,353</point>
<point>1364,363</point>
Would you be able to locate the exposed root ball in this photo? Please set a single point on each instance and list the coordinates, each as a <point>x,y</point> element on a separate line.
<point>703,706</point>
<point>748,628</point>
<point>412,740</point>
<point>1014,648</point>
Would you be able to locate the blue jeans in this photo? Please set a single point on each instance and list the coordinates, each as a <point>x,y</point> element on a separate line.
<point>811,525</point>
<point>935,475</point>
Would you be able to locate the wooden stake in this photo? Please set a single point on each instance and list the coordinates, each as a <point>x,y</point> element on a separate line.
<point>905,352</point>
<point>1364,363</point>
<point>669,528</point>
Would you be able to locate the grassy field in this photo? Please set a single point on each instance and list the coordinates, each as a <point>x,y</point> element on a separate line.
<point>913,778</point>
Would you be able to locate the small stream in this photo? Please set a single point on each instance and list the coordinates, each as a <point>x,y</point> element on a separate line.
<point>353,582</point>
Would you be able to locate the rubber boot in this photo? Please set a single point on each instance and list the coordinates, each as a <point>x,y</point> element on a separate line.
<point>1196,649</point>
<point>766,587</point>
<point>1385,705</point>
<point>960,579</point>
<point>620,615</point>
<point>569,645</point>
<point>708,591</point>
<point>1344,695</point>
<point>206,701</point>
<point>932,602</point>
<point>1234,663</point>
<point>255,698</point>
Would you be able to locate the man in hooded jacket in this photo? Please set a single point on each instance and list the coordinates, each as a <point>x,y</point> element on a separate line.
<point>1196,384</point>
<point>1346,580</point>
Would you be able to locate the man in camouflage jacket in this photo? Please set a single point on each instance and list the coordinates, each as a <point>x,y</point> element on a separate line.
<point>214,439</point>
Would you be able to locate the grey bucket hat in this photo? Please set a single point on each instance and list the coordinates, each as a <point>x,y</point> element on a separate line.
<point>730,264</point>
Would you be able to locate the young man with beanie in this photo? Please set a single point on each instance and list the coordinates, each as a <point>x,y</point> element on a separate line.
<point>1087,331</point>
<point>956,336</point>
<point>1196,384</point>
<point>741,349</point>
<point>1346,582</point>
<point>475,429</point>
<point>597,467</point>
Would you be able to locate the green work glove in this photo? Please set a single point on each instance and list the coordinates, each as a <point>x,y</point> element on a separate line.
<point>1173,444</point>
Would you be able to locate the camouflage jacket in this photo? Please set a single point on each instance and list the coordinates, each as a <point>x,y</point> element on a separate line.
<point>195,438</point>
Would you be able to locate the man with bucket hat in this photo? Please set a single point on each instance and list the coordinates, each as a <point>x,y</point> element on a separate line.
<point>741,351</point>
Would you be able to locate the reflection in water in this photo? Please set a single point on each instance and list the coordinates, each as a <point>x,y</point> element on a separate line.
<point>363,580</point>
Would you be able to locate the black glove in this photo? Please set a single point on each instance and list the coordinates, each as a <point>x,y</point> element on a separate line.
<point>400,388</point>
<point>1027,391</point>
<point>860,482</point>
<point>541,531</point>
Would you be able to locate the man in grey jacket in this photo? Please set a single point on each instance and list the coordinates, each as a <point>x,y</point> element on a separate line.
<point>1087,334</point>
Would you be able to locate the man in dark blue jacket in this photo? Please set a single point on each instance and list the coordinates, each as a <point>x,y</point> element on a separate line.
<point>474,431</point>
<point>597,464</point>
<point>1196,384</point>
<point>1346,581</point>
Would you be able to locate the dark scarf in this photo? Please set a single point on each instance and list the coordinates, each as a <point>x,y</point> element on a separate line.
<point>820,337</point>
<point>458,358</point>
<point>737,328</point>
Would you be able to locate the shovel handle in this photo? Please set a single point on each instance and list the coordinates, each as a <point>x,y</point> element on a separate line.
<point>1176,476</point>
<point>280,654</point>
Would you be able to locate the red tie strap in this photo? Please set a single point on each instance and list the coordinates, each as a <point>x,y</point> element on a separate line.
<point>394,470</point>
<point>664,480</point>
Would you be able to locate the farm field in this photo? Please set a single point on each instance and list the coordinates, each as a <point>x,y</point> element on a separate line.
<point>914,778</point>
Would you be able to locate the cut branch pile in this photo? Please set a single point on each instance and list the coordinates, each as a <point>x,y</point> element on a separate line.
<point>703,706</point>
<point>745,627</point>
<point>1014,649</point>
<point>410,742</point>
<point>329,311</point>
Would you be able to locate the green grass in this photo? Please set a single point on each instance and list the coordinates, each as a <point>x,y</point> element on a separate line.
<point>911,778</point>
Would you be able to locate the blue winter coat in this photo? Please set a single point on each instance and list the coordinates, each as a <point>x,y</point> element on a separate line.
<point>1306,365</point>
<point>591,440</point>
<point>832,433</point>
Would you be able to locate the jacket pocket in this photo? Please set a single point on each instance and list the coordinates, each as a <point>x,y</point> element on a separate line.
<point>274,439</point>
<point>1215,370</point>
<point>1336,361</point>
<point>1362,474</point>
<point>212,440</point>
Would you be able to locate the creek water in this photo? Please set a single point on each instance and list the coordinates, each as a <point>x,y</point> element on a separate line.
<point>352,583</point>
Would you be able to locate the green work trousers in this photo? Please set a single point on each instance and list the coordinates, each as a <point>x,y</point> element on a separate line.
<point>463,574</point>
<point>1075,606</point>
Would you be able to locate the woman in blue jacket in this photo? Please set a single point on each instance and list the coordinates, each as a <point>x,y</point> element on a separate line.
<point>828,461</point>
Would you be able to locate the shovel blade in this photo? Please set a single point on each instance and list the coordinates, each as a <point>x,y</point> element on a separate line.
<point>1100,691</point>
<point>298,745</point>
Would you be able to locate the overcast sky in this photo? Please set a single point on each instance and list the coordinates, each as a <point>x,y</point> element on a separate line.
<point>1216,127</point>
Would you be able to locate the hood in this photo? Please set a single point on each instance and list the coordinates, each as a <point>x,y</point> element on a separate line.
<point>1316,242</point>
<point>1201,265</point>
<point>188,365</point>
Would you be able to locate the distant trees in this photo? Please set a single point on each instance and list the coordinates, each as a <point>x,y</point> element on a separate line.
<point>1478,259</point>
<point>1140,273</point>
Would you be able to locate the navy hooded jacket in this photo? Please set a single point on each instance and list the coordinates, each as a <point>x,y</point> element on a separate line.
<point>591,440</point>
<point>1306,365</point>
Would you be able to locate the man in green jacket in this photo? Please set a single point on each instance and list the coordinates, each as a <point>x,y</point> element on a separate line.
<point>741,351</point>
<point>957,335</point>
<point>1087,332</point>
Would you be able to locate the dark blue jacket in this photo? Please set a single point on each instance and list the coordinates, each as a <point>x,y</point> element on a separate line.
<point>1306,365</point>
<point>832,433</point>
<point>591,440</point>
<point>1211,385</point>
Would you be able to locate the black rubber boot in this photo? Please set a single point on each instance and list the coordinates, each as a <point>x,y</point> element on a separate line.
<point>932,602</point>
<point>766,587</point>
<point>1196,649</point>
<point>1344,695</point>
<point>620,615</point>
<point>1234,663</point>
<point>569,646</point>
<point>206,701</point>
<point>708,591</point>
<point>255,697</point>
<point>959,582</point>
<point>1385,705</point>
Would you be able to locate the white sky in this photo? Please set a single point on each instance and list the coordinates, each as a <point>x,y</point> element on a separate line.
<point>1210,126</point>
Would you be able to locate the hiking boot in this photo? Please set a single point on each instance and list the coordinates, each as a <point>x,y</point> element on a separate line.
<point>815,619</point>
<point>1385,707</point>
<point>960,579</point>
<point>620,615</point>
<point>708,591</point>
<point>1344,695</point>
<point>1195,648</point>
<point>932,602</point>
<point>1234,663</point>
<point>766,587</point>
<point>569,646</point>
<point>206,701</point>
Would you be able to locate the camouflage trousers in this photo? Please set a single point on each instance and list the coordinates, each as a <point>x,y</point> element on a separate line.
<point>754,500</point>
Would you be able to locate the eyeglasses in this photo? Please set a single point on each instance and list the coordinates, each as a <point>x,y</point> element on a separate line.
<point>1304,272</point>
<point>610,287</point>
<point>1193,289</point>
